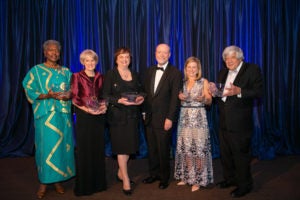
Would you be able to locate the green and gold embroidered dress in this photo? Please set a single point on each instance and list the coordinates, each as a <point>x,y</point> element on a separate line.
<point>53,123</point>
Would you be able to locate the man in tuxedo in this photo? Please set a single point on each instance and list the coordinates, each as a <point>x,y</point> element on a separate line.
<point>243,83</point>
<point>162,85</point>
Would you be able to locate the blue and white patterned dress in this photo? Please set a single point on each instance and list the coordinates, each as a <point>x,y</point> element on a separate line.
<point>193,160</point>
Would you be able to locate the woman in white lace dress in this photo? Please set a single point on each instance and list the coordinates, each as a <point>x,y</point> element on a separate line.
<point>193,161</point>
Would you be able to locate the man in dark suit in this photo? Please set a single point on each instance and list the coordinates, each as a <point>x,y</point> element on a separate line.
<point>243,83</point>
<point>162,85</point>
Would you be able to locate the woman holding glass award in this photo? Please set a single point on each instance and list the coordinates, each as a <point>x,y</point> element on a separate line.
<point>47,89</point>
<point>193,161</point>
<point>86,87</point>
<point>122,87</point>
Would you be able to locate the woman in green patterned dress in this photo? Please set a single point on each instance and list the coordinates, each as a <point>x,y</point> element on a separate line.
<point>47,89</point>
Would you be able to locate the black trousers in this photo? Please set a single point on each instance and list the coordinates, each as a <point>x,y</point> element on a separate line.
<point>159,142</point>
<point>236,157</point>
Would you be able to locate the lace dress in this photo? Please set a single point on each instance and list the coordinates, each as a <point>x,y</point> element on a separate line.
<point>193,161</point>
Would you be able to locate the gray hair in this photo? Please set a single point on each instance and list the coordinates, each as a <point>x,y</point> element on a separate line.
<point>88,52</point>
<point>233,49</point>
<point>48,42</point>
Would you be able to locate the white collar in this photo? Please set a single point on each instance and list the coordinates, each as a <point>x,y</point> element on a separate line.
<point>238,68</point>
<point>164,65</point>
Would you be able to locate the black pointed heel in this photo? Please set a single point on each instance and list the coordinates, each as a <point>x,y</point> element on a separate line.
<point>127,192</point>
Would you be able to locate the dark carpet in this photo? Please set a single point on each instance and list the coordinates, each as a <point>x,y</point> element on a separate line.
<point>277,179</point>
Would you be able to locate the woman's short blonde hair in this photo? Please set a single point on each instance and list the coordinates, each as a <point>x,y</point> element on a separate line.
<point>86,53</point>
<point>196,60</point>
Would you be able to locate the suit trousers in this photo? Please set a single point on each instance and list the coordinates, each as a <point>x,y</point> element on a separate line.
<point>159,142</point>
<point>236,157</point>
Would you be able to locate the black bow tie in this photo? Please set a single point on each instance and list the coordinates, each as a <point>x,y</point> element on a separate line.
<point>160,68</point>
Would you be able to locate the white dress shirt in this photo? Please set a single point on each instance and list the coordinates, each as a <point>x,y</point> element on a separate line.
<point>230,79</point>
<point>158,75</point>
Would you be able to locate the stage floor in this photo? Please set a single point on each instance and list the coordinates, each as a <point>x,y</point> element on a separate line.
<point>277,179</point>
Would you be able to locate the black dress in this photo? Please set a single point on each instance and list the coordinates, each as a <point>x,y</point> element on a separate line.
<point>123,120</point>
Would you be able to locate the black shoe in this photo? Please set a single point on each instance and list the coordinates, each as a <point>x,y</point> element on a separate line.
<point>238,192</point>
<point>127,192</point>
<point>225,184</point>
<point>163,185</point>
<point>150,179</point>
<point>120,180</point>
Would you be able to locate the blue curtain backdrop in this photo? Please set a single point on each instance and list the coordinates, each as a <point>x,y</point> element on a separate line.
<point>267,31</point>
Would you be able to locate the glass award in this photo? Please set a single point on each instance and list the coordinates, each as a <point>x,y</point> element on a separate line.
<point>62,87</point>
<point>130,96</point>
<point>93,103</point>
<point>216,89</point>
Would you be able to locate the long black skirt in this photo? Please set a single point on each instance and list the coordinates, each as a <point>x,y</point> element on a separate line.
<point>89,153</point>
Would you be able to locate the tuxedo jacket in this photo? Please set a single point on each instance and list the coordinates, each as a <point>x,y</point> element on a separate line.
<point>164,103</point>
<point>235,112</point>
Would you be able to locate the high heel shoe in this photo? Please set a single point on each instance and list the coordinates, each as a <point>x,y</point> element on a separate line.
<point>41,192</point>
<point>181,183</point>
<point>195,188</point>
<point>59,189</point>
<point>120,180</point>
<point>127,192</point>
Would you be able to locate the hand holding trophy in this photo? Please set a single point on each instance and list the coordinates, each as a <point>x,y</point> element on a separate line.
<point>132,98</point>
<point>185,95</point>
<point>96,106</point>
<point>200,97</point>
<point>216,89</point>
<point>60,91</point>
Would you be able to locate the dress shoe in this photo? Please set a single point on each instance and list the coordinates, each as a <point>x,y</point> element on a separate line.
<point>150,179</point>
<point>225,184</point>
<point>120,180</point>
<point>41,192</point>
<point>238,192</point>
<point>127,192</point>
<point>59,189</point>
<point>163,185</point>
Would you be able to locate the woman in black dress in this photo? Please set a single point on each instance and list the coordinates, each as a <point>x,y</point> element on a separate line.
<point>123,113</point>
<point>86,88</point>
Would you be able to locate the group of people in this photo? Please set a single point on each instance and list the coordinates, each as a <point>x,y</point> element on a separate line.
<point>163,101</point>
